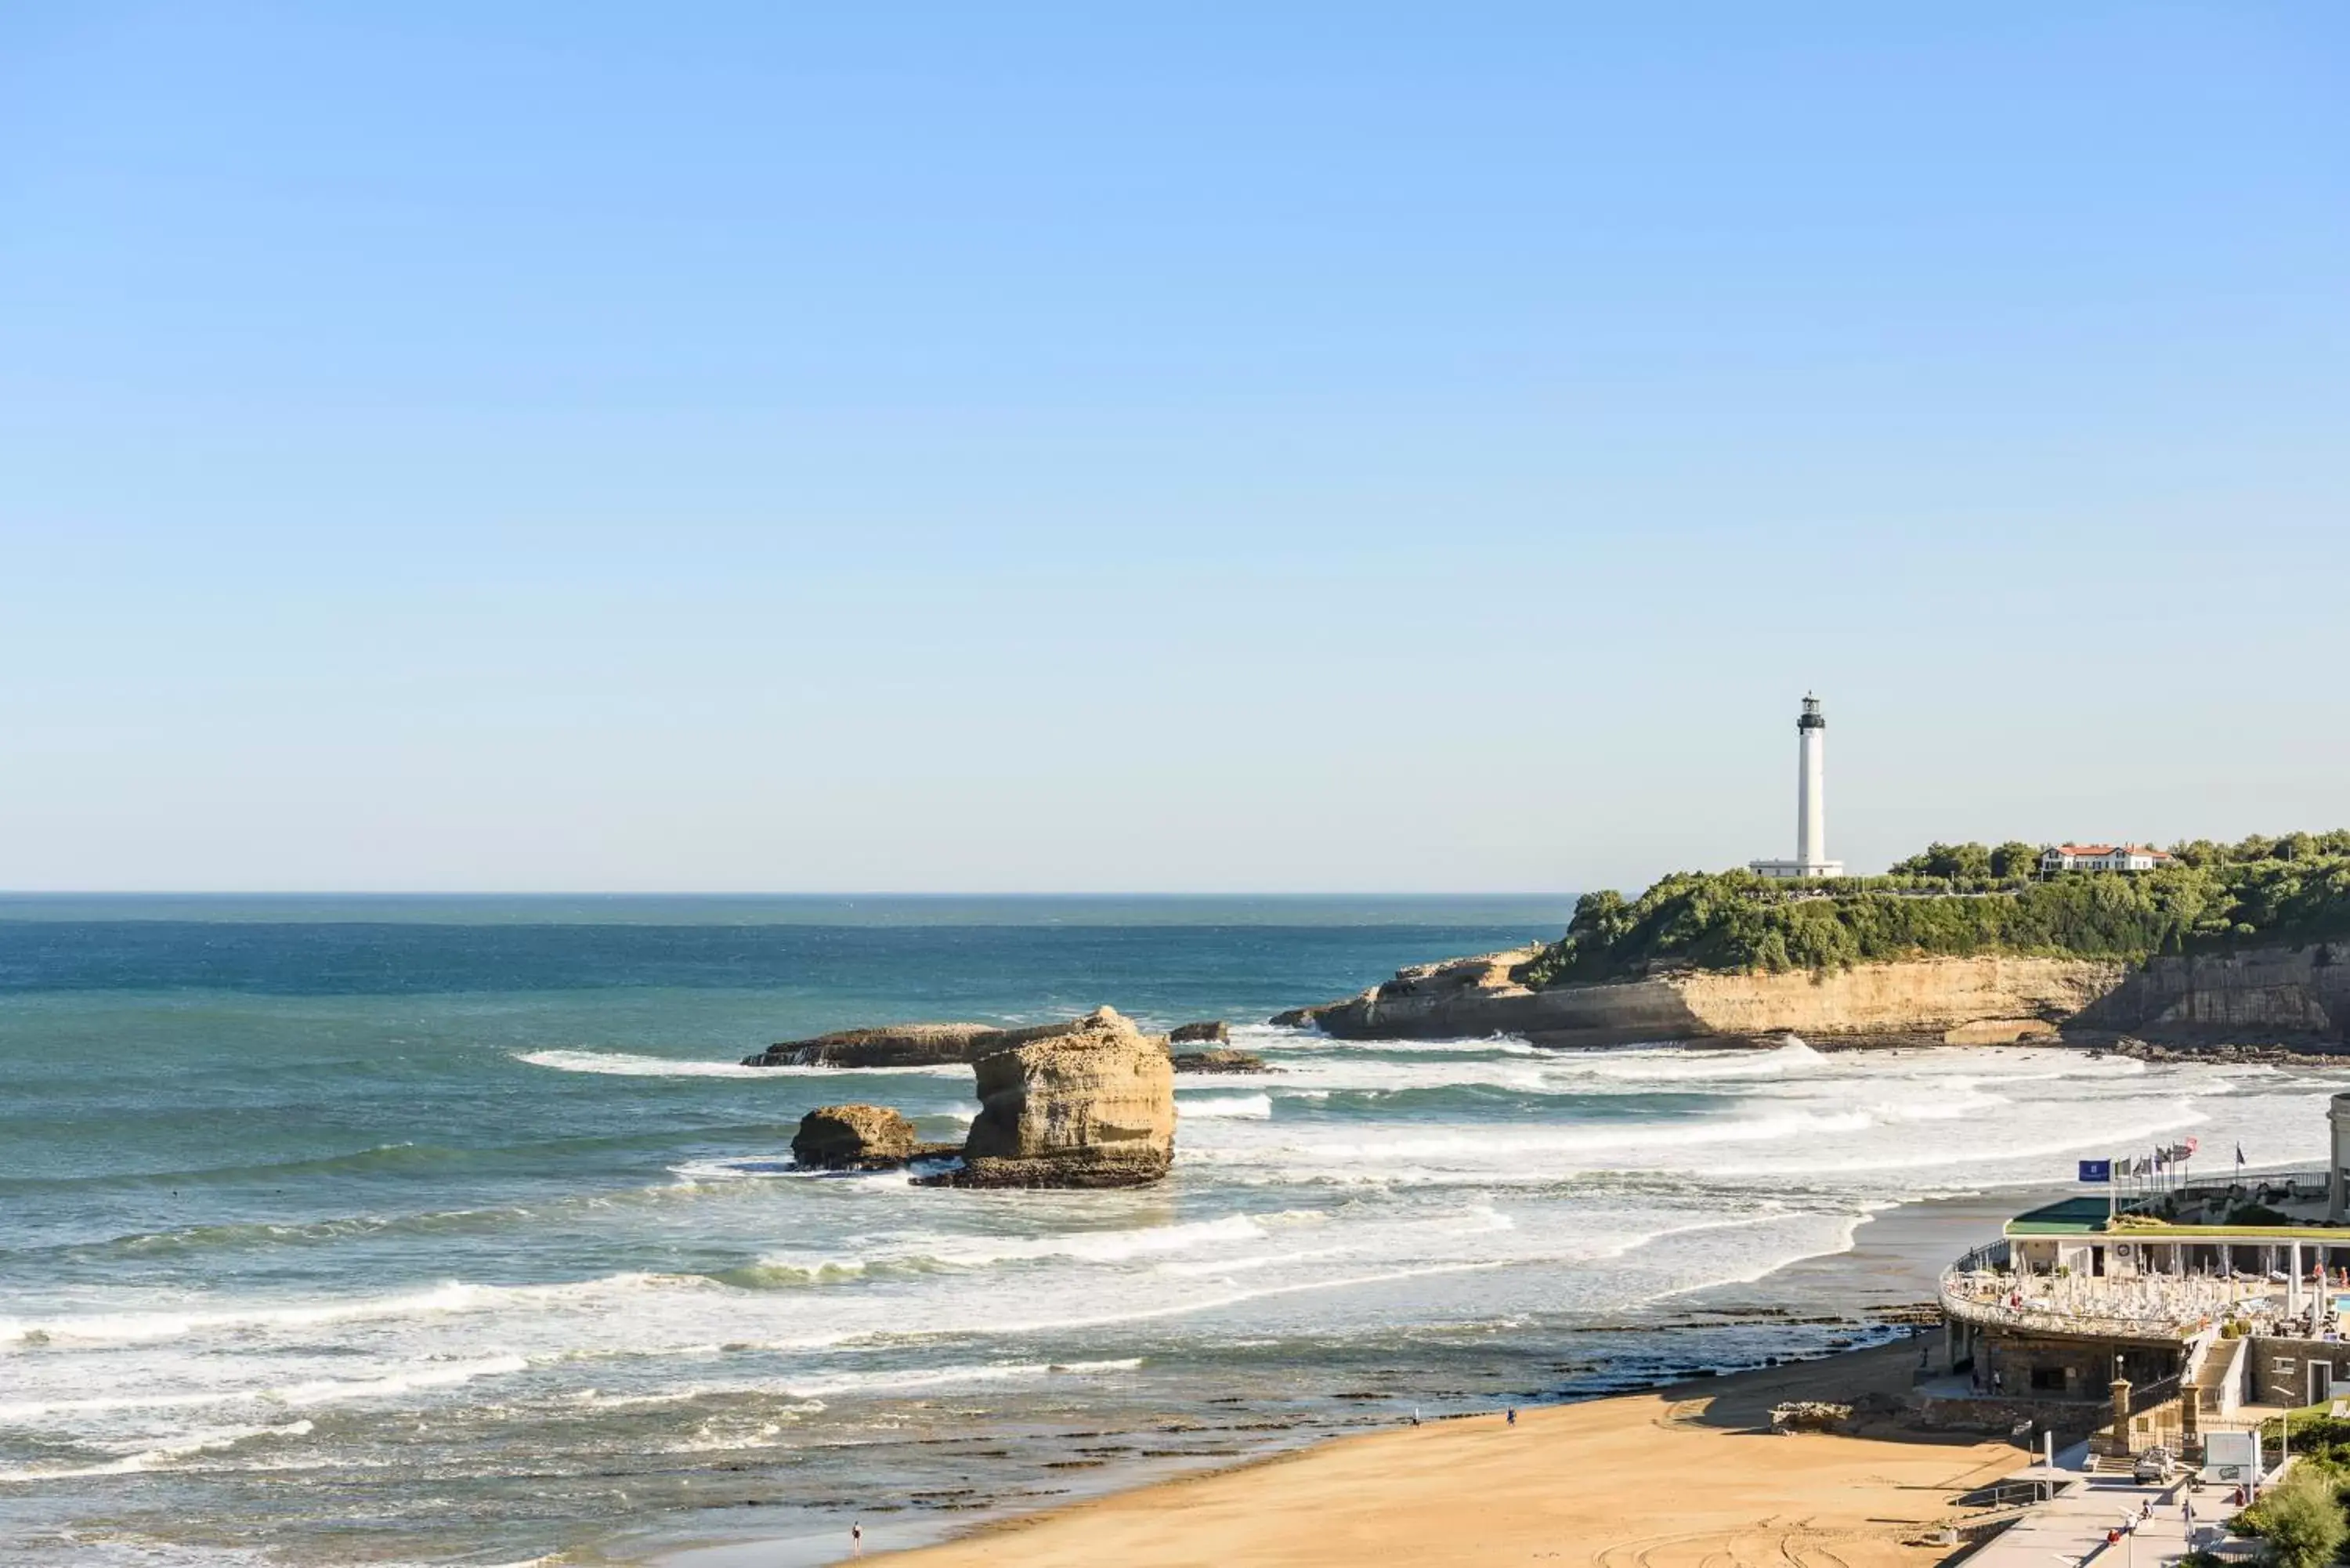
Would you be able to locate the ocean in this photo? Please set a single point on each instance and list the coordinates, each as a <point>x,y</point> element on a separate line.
<point>438,1231</point>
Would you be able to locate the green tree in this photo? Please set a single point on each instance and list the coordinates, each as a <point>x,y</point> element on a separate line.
<point>2015,858</point>
<point>2199,852</point>
<point>1958,862</point>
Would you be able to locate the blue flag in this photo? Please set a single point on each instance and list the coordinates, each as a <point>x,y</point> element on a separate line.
<point>2096,1171</point>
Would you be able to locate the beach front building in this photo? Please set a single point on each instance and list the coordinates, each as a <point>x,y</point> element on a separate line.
<point>2104,858</point>
<point>2160,1314</point>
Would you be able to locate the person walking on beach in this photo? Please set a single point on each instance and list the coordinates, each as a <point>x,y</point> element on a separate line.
<point>1513,1415</point>
<point>857,1538</point>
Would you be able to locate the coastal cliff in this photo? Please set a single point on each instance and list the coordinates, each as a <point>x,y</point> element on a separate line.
<point>2265,994</point>
<point>2253,995</point>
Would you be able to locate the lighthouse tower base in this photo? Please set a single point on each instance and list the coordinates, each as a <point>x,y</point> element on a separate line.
<point>1795,870</point>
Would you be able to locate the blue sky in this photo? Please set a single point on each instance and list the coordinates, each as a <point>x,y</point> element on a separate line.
<point>1217,448</point>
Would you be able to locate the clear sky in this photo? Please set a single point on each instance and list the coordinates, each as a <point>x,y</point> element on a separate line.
<point>1002,447</point>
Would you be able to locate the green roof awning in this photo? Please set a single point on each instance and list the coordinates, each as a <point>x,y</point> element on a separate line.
<point>2072,1216</point>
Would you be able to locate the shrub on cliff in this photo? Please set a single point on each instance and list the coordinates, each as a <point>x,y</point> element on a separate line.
<point>1736,920</point>
<point>2300,1519</point>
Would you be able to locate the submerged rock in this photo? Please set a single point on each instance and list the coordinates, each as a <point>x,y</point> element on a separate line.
<point>1088,1104</point>
<point>1212,1032</point>
<point>854,1137</point>
<point>1218,1062</point>
<point>893,1045</point>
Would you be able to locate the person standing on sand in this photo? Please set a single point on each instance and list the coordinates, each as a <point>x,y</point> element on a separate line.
<point>857,1538</point>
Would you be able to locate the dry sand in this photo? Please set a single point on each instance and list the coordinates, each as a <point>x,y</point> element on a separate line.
<point>1689,1477</point>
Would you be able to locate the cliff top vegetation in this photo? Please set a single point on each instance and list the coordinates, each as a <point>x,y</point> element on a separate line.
<point>1959,901</point>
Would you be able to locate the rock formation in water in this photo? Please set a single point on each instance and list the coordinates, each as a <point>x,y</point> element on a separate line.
<point>1212,1032</point>
<point>907,1046</point>
<point>893,1045</point>
<point>1089,1103</point>
<point>1219,1061</point>
<point>2286,996</point>
<point>853,1138</point>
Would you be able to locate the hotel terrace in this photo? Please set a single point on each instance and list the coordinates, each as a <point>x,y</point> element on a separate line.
<point>2158,1313</point>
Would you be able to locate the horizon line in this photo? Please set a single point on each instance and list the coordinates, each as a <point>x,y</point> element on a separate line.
<point>812,893</point>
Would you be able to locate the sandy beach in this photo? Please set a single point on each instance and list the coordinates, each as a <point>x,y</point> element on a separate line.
<point>1685,1474</point>
<point>1688,1477</point>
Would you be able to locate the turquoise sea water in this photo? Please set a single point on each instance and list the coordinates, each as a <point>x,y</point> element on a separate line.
<point>451,1230</point>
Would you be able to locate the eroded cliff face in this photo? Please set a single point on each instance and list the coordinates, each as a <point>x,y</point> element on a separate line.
<point>1978,1001</point>
<point>2269,994</point>
<point>2253,996</point>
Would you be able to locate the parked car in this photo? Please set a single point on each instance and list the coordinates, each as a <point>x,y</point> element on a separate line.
<point>2154,1465</point>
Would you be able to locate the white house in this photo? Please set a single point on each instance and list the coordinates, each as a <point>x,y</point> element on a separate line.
<point>2104,858</point>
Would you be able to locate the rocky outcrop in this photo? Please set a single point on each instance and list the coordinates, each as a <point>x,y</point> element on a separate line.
<point>1221,1061</point>
<point>895,1045</point>
<point>2320,1054</point>
<point>1926,1001</point>
<point>1091,1104</point>
<point>853,1138</point>
<point>2287,996</point>
<point>1212,1032</point>
<point>908,1045</point>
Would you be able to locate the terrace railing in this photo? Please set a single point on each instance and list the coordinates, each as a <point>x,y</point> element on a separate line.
<point>1979,1288</point>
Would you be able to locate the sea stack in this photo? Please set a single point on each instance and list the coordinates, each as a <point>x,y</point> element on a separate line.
<point>853,1138</point>
<point>1091,1104</point>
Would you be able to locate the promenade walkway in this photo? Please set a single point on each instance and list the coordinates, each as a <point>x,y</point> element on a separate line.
<point>2072,1527</point>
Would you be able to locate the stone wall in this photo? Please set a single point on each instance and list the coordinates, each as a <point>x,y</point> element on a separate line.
<point>2280,1370</point>
<point>2081,1369</point>
<point>2002,1416</point>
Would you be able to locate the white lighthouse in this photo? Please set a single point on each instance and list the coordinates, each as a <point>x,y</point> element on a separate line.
<point>1811,802</point>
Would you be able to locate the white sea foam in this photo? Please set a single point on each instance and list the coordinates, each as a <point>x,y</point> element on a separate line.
<point>1262,1037</point>
<point>626,1064</point>
<point>1700,1066</point>
<point>329,1390</point>
<point>124,1327</point>
<point>1259,1106</point>
<point>622,1063</point>
<point>187,1446</point>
